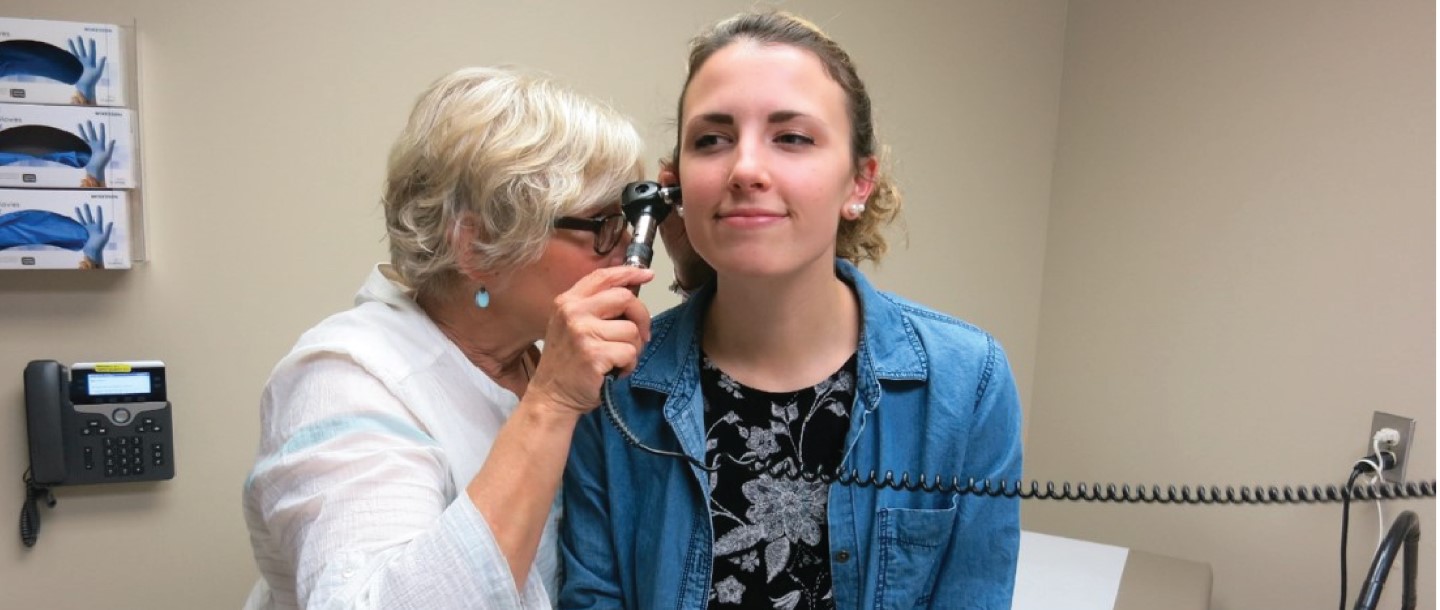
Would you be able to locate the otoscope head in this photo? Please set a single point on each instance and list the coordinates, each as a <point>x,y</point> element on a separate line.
<point>645,205</point>
<point>648,197</point>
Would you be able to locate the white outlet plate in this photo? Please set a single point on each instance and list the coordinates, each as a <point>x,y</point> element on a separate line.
<point>1406,427</point>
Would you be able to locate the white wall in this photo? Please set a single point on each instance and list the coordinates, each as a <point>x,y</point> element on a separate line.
<point>1239,270</point>
<point>265,128</point>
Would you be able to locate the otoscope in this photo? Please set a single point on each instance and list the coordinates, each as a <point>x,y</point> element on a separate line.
<point>646,204</point>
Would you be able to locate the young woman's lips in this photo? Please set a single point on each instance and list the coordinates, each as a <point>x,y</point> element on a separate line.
<point>750,218</point>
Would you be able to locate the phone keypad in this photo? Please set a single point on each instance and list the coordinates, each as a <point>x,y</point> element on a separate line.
<point>115,451</point>
<point>126,456</point>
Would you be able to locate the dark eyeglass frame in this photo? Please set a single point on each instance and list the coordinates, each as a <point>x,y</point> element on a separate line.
<point>608,229</point>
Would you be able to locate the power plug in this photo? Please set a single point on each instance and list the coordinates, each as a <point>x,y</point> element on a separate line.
<point>1386,438</point>
<point>1393,434</point>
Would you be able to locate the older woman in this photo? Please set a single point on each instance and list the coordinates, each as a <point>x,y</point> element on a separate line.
<point>412,446</point>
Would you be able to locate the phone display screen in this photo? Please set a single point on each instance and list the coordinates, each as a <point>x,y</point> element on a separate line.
<point>118,384</point>
<point>93,383</point>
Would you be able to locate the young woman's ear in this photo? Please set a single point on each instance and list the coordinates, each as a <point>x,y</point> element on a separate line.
<point>860,193</point>
<point>865,178</point>
<point>669,174</point>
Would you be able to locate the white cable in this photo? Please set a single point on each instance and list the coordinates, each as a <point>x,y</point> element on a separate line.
<point>1380,478</point>
<point>1379,513</point>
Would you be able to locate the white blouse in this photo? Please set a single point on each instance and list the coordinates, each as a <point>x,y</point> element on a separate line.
<point>371,428</point>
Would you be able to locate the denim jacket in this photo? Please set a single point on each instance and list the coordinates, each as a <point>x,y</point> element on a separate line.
<point>934,395</point>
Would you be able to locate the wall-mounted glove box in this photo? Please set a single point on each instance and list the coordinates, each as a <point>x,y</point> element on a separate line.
<point>49,229</point>
<point>62,62</point>
<point>66,147</point>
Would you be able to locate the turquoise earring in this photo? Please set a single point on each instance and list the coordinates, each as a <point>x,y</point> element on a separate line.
<point>482,298</point>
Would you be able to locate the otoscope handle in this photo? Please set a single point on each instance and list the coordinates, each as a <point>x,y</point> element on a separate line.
<point>641,249</point>
<point>645,204</point>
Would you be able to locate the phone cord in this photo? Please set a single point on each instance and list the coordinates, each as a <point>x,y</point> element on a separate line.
<point>1032,490</point>
<point>29,512</point>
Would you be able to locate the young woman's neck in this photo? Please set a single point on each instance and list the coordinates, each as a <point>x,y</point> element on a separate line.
<point>782,334</point>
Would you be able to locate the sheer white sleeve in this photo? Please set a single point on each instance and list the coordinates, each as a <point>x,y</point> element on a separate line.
<point>352,503</point>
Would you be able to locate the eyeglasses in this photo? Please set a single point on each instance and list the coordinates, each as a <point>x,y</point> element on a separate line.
<point>607,229</point>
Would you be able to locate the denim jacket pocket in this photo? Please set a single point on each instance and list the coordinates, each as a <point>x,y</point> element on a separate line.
<point>912,541</point>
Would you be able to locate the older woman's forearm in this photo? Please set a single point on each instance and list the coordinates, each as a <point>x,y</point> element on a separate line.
<point>516,487</point>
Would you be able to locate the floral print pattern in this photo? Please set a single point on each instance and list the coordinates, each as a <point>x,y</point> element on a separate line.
<point>772,547</point>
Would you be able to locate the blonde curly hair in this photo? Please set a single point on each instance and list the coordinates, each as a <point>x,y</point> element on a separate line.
<point>506,152</point>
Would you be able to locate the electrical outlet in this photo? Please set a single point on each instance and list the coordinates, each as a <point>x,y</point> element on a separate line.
<point>1406,427</point>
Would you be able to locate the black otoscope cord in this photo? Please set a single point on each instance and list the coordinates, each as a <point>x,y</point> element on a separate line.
<point>613,414</point>
<point>1344,533</point>
<point>1032,490</point>
<point>646,204</point>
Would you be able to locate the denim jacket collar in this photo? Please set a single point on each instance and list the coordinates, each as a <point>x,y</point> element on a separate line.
<point>889,345</point>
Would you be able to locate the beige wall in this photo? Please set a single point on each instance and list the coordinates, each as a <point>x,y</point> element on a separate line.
<point>1239,270</point>
<point>265,129</point>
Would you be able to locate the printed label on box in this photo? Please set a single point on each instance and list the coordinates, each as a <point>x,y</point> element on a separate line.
<point>64,229</point>
<point>62,62</point>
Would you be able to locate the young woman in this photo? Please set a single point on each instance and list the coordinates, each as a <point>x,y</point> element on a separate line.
<point>790,361</point>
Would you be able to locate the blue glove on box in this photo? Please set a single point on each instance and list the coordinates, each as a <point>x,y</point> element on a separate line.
<point>90,70</point>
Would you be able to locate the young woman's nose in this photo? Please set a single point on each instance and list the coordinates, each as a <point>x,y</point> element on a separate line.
<point>748,173</point>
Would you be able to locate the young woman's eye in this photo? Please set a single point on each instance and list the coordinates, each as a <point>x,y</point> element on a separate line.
<point>708,140</point>
<point>794,139</point>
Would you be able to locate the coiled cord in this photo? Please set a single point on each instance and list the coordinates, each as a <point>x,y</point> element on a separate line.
<point>29,512</point>
<point>1110,492</point>
<point>1032,490</point>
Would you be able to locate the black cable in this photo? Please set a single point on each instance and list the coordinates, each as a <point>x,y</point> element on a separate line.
<point>1123,494</point>
<point>614,415</point>
<point>1019,488</point>
<point>1345,531</point>
<point>1403,537</point>
<point>1031,490</point>
<point>29,512</point>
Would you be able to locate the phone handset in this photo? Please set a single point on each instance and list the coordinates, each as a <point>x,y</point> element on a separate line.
<point>46,396</point>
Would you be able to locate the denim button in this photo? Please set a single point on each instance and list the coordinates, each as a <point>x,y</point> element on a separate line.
<point>842,556</point>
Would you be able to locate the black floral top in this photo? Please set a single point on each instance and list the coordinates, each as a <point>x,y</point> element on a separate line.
<point>771,537</point>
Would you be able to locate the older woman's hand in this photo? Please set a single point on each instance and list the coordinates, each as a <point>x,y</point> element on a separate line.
<point>599,326</point>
